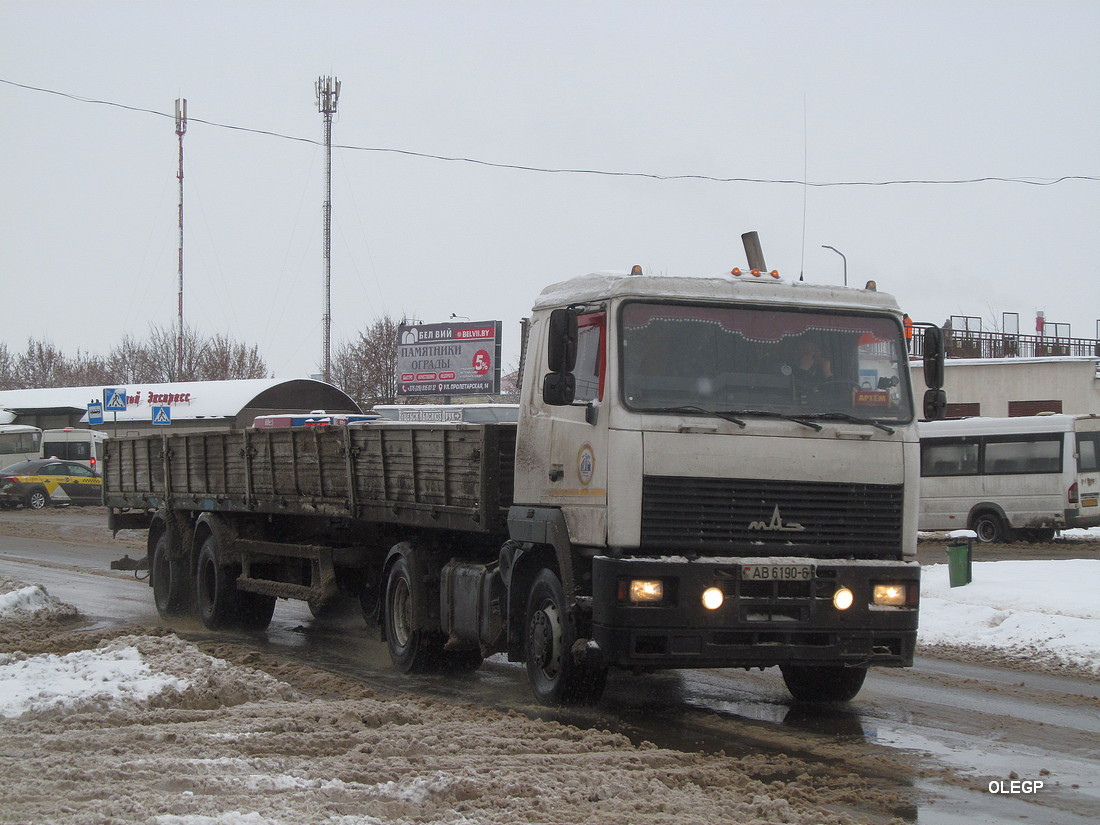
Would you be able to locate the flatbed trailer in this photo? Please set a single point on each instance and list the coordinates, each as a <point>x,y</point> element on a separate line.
<point>449,477</point>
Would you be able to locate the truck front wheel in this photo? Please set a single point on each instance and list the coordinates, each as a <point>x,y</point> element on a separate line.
<point>831,683</point>
<point>555,677</point>
<point>169,579</point>
<point>412,649</point>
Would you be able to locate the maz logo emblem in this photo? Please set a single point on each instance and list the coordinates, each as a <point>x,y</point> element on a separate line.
<point>776,525</point>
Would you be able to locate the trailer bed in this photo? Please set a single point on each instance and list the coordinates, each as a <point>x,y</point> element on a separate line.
<point>445,476</point>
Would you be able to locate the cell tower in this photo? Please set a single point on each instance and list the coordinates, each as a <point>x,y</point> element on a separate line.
<point>328,95</point>
<point>181,129</point>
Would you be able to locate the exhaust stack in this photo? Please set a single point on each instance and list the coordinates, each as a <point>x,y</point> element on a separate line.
<point>753,252</point>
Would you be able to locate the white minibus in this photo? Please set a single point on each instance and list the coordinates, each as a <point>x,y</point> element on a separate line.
<point>74,444</point>
<point>1010,478</point>
<point>18,442</point>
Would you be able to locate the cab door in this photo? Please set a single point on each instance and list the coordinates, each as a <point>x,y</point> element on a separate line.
<point>577,472</point>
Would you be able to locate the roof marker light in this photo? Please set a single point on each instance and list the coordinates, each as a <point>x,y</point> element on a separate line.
<point>736,272</point>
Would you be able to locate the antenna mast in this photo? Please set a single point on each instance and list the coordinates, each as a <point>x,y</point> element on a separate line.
<point>181,128</point>
<point>328,94</point>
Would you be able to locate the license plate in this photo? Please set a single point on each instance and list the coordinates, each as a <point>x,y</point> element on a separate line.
<point>1088,501</point>
<point>777,572</point>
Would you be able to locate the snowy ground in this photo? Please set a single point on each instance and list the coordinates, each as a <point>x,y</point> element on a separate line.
<point>1041,615</point>
<point>173,736</point>
<point>148,729</point>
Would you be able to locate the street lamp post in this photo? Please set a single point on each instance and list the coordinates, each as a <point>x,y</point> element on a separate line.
<point>841,254</point>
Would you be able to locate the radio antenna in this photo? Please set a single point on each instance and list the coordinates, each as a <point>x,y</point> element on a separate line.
<point>181,129</point>
<point>328,95</point>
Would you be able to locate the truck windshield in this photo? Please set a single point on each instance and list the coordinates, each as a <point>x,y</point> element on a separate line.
<point>763,359</point>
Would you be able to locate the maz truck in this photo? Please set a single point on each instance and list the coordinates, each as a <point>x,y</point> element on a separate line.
<point>713,472</point>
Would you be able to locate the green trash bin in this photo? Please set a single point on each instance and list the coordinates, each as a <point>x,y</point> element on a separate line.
<point>960,555</point>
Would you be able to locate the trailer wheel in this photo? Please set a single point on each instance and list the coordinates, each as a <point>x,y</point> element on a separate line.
<point>169,580</point>
<point>832,683</point>
<point>215,591</point>
<point>555,677</point>
<point>412,650</point>
<point>254,610</point>
<point>990,528</point>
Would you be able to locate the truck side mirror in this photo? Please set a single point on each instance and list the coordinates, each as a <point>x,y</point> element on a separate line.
<point>559,389</point>
<point>935,405</point>
<point>934,355</point>
<point>561,348</point>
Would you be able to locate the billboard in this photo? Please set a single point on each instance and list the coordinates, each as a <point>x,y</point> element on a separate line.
<point>448,359</point>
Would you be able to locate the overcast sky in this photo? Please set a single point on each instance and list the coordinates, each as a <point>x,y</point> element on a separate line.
<point>829,92</point>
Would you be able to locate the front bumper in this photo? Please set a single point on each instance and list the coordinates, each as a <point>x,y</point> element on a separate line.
<point>759,624</point>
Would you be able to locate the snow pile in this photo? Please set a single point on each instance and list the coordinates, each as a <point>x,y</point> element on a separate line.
<point>84,681</point>
<point>19,601</point>
<point>1040,613</point>
<point>127,672</point>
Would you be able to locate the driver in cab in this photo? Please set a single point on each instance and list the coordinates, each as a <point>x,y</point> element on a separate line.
<point>811,367</point>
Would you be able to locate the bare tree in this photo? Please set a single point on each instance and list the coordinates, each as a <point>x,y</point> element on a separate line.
<point>40,365</point>
<point>132,361</point>
<point>8,379</point>
<point>366,368</point>
<point>222,359</point>
<point>85,369</point>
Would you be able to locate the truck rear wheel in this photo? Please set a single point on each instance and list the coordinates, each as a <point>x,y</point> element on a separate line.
<point>171,589</point>
<point>830,683</point>
<point>555,677</point>
<point>412,649</point>
<point>221,605</point>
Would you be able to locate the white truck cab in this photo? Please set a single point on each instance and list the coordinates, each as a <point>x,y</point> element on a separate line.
<point>734,462</point>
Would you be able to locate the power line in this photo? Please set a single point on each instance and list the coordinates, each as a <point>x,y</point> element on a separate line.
<point>1028,180</point>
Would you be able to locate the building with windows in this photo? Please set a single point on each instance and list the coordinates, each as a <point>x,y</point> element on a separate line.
<point>1009,387</point>
<point>1006,373</point>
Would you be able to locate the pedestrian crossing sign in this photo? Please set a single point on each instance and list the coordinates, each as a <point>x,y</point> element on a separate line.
<point>162,414</point>
<point>114,399</point>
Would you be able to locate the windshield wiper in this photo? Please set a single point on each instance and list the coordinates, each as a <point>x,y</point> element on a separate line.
<point>841,416</point>
<point>735,415</point>
<point>687,408</point>
<point>797,419</point>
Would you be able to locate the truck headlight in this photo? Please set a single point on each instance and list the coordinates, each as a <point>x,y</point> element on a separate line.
<point>713,598</point>
<point>843,598</point>
<point>891,595</point>
<point>645,591</point>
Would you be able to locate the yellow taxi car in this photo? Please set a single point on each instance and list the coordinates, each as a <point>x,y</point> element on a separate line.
<point>43,482</point>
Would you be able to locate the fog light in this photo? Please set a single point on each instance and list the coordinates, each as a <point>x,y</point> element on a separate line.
<point>713,598</point>
<point>843,598</point>
<point>892,595</point>
<point>647,590</point>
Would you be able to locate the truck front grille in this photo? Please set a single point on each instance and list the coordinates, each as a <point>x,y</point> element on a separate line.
<point>771,518</point>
